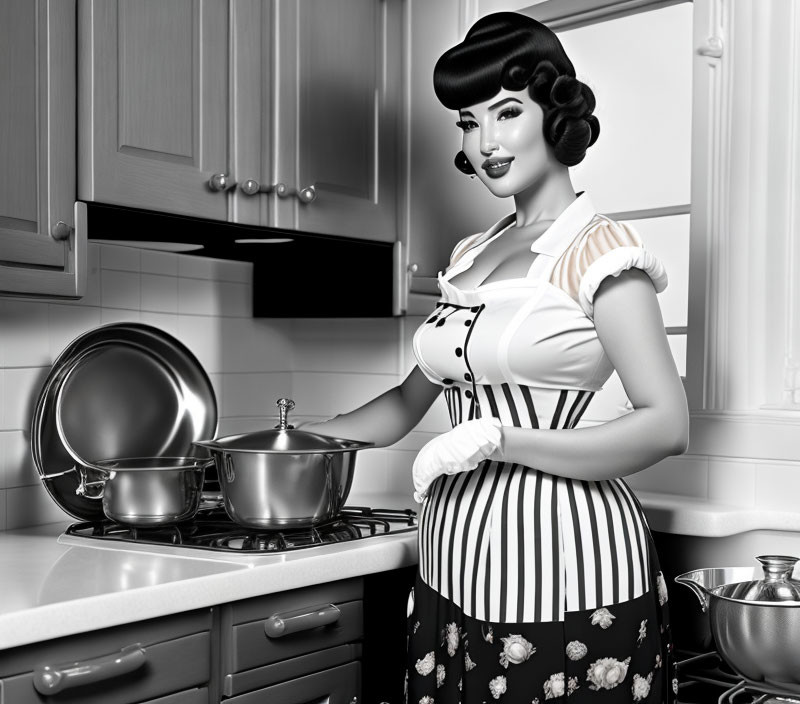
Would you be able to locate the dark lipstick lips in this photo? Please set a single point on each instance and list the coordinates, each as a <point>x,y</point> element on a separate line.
<point>495,168</point>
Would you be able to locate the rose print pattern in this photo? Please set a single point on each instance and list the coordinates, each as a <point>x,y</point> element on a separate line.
<point>607,673</point>
<point>498,686</point>
<point>441,673</point>
<point>576,650</point>
<point>572,685</point>
<point>529,663</point>
<point>641,687</point>
<point>602,617</point>
<point>452,637</point>
<point>554,686</point>
<point>516,650</point>
<point>642,632</point>
<point>426,665</point>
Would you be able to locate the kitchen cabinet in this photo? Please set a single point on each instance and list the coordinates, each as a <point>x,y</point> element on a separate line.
<point>164,661</point>
<point>42,234</point>
<point>294,647</point>
<point>278,114</point>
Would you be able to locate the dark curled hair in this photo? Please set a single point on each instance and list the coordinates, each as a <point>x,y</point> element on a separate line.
<point>512,51</point>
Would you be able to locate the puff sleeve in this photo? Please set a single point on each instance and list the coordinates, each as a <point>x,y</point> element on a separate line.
<point>607,248</point>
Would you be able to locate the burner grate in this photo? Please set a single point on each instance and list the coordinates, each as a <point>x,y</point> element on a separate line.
<point>212,529</point>
<point>706,678</point>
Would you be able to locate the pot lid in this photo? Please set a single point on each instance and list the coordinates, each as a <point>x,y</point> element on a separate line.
<point>776,587</point>
<point>284,438</point>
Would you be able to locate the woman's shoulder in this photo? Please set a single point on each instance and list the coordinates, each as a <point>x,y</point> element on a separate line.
<point>604,247</point>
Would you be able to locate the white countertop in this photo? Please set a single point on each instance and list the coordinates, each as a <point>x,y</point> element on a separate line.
<point>686,515</point>
<point>52,589</point>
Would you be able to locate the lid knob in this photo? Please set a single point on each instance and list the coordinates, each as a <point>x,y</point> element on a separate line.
<point>284,406</point>
<point>777,584</point>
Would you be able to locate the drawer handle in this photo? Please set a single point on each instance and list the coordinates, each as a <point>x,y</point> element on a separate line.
<point>52,679</point>
<point>283,624</point>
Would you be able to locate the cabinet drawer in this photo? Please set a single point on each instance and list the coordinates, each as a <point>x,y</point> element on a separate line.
<point>252,647</point>
<point>339,685</point>
<point>248,646</point>
<point>174,655</point>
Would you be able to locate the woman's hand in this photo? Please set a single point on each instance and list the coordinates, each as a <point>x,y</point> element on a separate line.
<point>458,450</point>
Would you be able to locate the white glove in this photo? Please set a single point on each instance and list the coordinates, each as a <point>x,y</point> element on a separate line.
<point>458,450</point>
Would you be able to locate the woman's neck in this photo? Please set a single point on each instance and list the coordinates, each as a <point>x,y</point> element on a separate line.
<point>546,199</point>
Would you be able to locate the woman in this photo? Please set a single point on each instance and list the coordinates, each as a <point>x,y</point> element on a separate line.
<point>538,579</point>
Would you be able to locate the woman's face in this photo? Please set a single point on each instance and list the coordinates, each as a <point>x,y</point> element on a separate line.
<point>504,141</point>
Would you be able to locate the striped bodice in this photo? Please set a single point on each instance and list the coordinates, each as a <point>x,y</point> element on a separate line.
<point>509,543</point>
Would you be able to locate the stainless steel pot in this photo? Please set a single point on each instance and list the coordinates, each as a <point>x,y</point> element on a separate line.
<point>283,477</point>
<point>755,622</point>
<point>146,491</point>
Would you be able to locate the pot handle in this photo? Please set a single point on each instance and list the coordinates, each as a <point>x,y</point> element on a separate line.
<point>83,486</point>
<point>688,581</point>
<point>288,622</point>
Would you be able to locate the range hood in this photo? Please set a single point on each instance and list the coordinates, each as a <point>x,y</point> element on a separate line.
<point>295,274</point>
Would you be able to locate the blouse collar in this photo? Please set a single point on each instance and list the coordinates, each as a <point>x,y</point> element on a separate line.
<point>555,239</point>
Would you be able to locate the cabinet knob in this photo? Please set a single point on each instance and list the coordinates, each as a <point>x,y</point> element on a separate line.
<point>252,187</point>
<point>60,231</point>
<point>413,268</point>
<point>221,182</point>
<point>306,195</point>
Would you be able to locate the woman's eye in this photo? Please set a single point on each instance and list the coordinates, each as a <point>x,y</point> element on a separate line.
<point>508,114</point>
<point>467,125</point>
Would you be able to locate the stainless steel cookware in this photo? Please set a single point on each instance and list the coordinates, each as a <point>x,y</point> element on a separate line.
<point>119,390</point>
<point>283,477</point>
<point>146,491</point>
<point>755,622</point>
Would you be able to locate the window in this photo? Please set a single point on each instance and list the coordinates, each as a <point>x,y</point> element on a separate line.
<point>640,68</point>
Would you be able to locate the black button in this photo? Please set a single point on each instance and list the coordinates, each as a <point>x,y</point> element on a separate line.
<point>467,323</point>
<point>432,319</point>
<point>459,351</point>
<point>468,393</point>
<point>447,381</point>
<point>468,376</point>
<point>440,323</point>
<point>475,309</point>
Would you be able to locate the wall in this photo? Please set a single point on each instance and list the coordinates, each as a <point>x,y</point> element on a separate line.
<point>327,366</point>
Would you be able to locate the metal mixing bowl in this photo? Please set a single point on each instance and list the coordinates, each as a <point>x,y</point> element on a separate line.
<point>755,622</point>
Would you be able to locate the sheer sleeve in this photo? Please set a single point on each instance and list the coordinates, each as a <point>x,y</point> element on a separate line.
<point>605,248</point>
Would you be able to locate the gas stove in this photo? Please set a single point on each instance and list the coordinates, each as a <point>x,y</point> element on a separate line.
<point>706,678</point>
<point>212,529</point>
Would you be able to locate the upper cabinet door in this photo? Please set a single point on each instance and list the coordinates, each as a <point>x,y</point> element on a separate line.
<point>153,114</point>
<point>41,251</point>
<point>337,99</point>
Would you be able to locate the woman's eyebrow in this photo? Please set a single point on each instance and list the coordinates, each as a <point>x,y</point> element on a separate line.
<point>465,113</point>
<point>502,102</point>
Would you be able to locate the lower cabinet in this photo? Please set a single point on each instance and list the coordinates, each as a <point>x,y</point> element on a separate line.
<point>165,660</point>
<point>293,647</point>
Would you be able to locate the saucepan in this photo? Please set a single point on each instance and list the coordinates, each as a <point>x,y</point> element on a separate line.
<point>283,477</point>
<point>137,491</point>
<point>755,622</point>
<point>145,491</point>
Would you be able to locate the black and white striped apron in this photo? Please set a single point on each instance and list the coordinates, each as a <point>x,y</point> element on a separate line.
<point>509,543</point>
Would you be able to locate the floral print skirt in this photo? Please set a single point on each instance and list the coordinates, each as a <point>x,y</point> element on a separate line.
<point>616,654</point>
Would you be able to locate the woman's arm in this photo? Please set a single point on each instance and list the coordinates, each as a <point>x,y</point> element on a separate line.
<point>387,418</point>
<point>631,330</point>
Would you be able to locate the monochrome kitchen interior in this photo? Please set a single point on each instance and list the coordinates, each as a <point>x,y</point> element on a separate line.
<point>225,220</point>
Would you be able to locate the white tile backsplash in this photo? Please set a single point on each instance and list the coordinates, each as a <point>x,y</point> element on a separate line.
<point>326,366</point>
<point>159,293</point>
